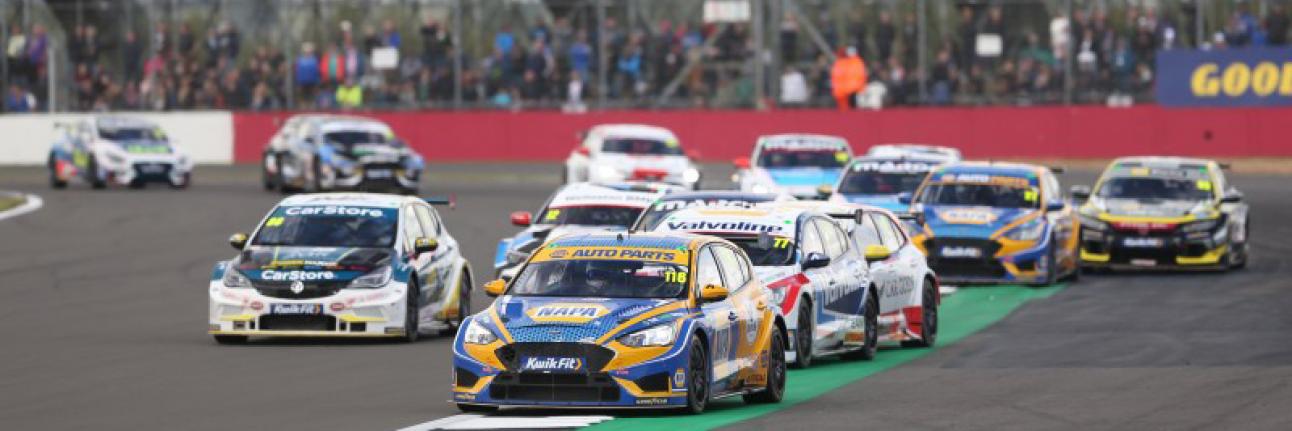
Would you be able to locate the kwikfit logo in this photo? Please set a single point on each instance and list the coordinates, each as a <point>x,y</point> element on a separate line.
<point>723,226</point>
<point>550,363</point>
<point>297,275</point>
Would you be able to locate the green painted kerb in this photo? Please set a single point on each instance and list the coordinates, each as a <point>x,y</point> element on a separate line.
<point>967,311</point>
<point>8,201</point>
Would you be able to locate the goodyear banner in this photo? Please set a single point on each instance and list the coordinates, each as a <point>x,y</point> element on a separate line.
<point>1227,77</point>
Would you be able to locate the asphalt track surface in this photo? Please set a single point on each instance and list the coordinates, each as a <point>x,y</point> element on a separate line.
<point>103,317</point>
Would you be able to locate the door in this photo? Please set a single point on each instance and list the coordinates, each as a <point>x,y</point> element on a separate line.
<point>820,279</point>
<point>421,264</point>
<point>441,260</point>
<point>720,317</point>
<point>745,302</point>
<point>841,303</point>
<point>895,277</point>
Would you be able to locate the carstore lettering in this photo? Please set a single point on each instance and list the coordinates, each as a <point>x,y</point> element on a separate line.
<point>297,275</point>
<point>332,210</point>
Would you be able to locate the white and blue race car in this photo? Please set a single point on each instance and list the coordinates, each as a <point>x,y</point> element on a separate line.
<point>333,152</point>
<point>884,181</point>
<point>117,150</point>
<point>797,164</point>
<point>342,265</point>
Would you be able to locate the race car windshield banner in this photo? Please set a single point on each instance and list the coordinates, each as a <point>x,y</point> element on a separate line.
<point>1229,77</point>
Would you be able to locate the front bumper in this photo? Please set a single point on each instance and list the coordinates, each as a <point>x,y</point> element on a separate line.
<point>1169,250</point>
<point>347,313</point>
<point>996,260</point>
<point>168,170</point>
<point>610,375</point>
<point>376,177</point>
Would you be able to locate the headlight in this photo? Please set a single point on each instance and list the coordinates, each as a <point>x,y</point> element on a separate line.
<point>372,280</point>
<point>115,159</point>
<point>1200,226</point>
<point>691,175</point>
<point>606,172</point>
<point>234,278</point>
<point>661,335</point>
<point>478,334</point>
<point>1030,231</point>
<point>1089,222</point>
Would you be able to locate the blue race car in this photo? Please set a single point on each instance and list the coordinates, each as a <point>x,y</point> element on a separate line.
<point>996,222</point>
<point>798,165</point>
<point>623,320</point>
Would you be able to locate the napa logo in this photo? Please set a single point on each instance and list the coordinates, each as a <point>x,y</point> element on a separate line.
<point>567,313</point>
<point>548,363</point>
<point>967,216</point>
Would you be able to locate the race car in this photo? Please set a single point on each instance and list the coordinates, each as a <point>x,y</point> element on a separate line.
<point>120,150</point>
<point>623,320</point>
<point>991,222</point>
<point>611,153</point>
<point>795,164</point>
<point>908,290</point>
<point>575,208</point>
<point>672,202</point>
<point>882,181</point>
<point>1163,212</point>
<point>816,273</point>
<point>342,265</point>
<point>331,152</point>
<point>937,153</point>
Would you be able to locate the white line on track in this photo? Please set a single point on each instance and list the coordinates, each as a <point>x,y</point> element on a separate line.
<point>33,203</point>
<point>479,422</point>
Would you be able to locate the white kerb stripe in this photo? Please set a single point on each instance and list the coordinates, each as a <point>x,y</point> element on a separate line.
<point>478,422</point>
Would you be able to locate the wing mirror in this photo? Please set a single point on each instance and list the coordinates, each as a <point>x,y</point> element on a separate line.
<point>1232,197</point>
<point>238,240</point>
<point>713,293</point>
<point>425,245</point>
<point>1080,193</point>
<point>495,288</point>
<point>824,191</point>
<point>741,163</point>
<point>522,218</point>
<point>876,252</point>
<point>816,260</point>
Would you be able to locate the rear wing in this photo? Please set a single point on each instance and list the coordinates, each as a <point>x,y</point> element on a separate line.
<point>451,200</point>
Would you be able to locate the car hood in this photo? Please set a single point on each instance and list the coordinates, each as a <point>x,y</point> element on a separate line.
<point>970,221</point>
<point>275,263</point>
<point>630,163</point>
<point>803,177</point>
<point>559,319</point>
<point>1148,208</point>
<point>143,146</point>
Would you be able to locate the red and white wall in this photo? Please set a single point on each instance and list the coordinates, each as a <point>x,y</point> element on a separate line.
<point>997,132</point>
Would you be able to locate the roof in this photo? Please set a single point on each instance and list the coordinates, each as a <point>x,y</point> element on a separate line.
<point>638,195</point>
<point>356,123</point>
<point>913,150</point>
<point>804,141</point>
<point>672,240</point>
<point>123,122</point>
<point>633,131</point>
<point>779,220</point>
<point>993,168</point>
<point>1162,161</point>
<point>708,195</point>
<point>362,199</point>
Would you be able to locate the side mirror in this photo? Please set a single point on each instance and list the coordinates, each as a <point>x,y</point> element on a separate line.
<point>905,198</point>
<point>713,293</point>
<point>522,218</point>
<point>238,240</point>
<point>824,191</point>
<point>876,252</point>
<point>495,288</point>
<point>741,163</point>
<point>816,260</point>
<point>1232,197</point>
<point>1055,206</point>
<point>425,245</point>
<point>1080,193</point>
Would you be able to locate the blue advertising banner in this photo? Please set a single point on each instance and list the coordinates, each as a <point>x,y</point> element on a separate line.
<point>1226,77</point>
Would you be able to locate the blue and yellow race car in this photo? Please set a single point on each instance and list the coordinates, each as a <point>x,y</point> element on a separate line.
<point>623,320</point>
<point>989,222</point>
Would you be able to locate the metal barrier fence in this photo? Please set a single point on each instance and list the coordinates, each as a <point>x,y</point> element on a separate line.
<point>603,54</point>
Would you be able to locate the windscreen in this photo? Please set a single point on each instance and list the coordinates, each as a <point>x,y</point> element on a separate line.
<point>349,138</point>
<point>973,194</point>
<point>641,147</point>
<point>601,279</point>
<point>823,158</point>
<point>766,250</point>
<point>130,134</point>
<point>329,226</point>
<point>1150,188</point>
<point>879,183</point>
<point>590,216</point>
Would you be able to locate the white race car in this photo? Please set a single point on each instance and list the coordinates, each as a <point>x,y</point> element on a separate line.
<point>933,153</point>
<point>334,152</point>
<point>627,152</point>
<point>120,150</point>
<point>575,208</point>
<point>342,265</point>
<point>909,293</point>
<point>817,274</point>
<point>798,165</point>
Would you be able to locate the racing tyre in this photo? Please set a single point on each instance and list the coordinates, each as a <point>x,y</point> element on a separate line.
<point>775,390</point>
<point>476,408</point>
<point>697,388</point>
<point>183,182</point>
<point>871,326</point>
<point>1243,257</point>
<point>928,317</point>
<point>1051,267</point>
<point>54,180</point>
<point>92,169</point>
<point>231,339</point>
<point>266,178</point>
<point>412,312</point>
<point>803,336</point>
<point>464,306</point>
<point>317,170</point>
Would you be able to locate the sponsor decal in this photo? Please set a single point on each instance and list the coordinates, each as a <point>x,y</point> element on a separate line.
<point>964,252</point>
<point>679,379</point>
<point>652,401</point>
<point>893,167</point>
<point>966,216</point>
<point>464,396</point>
<point>334,210</point>
<point>550,363</point>
<point>559,254</point>
<point>298,287</point>
<point>581,253</point>
<point>1142,242</point>
<point>567,312</point>
<point>719,203</point>
<point>295,309</point>
<point>1256,76</point>
<point>742,226</point>
<point>277,275</point>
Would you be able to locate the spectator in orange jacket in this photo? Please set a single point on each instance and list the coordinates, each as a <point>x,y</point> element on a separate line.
<point>847,78</point>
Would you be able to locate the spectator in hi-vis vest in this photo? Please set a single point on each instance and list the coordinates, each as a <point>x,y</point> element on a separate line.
<point>847,78</point>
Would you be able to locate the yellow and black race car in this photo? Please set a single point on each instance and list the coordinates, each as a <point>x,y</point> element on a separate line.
<point>1156,212</point>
